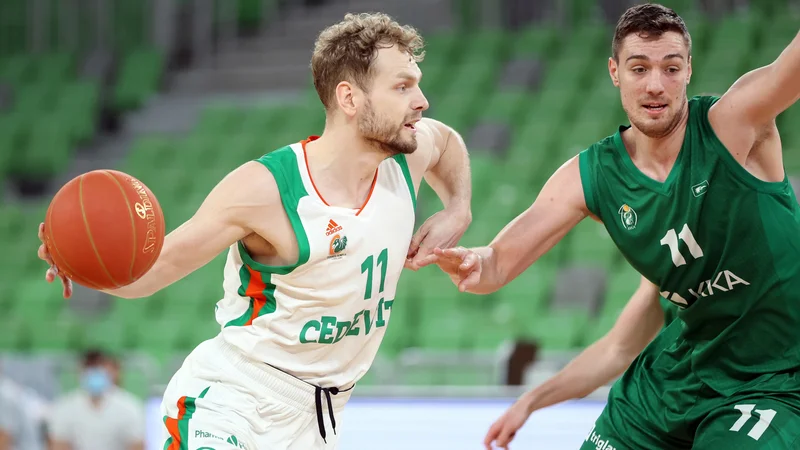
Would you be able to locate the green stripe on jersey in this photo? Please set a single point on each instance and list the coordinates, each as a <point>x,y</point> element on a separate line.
<point>283,165</point>
<point>401,160</point>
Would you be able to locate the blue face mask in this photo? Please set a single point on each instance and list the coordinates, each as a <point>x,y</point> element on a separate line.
<point>96,381</point>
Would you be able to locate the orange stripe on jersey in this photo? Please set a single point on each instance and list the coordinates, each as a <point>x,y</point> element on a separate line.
<point>319,194</point>
<point>371,190</point>
<point>255,290</point>
<point>172,425</point>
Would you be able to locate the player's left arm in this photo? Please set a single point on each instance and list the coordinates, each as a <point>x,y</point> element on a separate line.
<point>444,164</point>
<point>755,100</point>
<point>442,161</point>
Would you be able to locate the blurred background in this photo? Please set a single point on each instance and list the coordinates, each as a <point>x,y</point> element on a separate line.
<point>179,92</point>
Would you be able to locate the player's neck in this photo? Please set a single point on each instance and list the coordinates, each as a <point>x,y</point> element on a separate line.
<point>655,152</point>
<point>343,164</point>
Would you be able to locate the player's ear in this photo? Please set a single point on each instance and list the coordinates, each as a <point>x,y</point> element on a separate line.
<point>345,98</point>
<point>613,71</point>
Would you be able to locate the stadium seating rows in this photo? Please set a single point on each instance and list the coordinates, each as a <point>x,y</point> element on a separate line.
<point>573,106</point>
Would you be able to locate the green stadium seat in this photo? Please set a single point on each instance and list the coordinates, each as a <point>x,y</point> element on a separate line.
<point>13,335</point>
<point>621,286</point>
<point>589,242</point>
<point>54,68</point>
<point>140,75</point>
<point>505,106</point>
<point>77,105</point>
<point>561,330</point>
<point>48,151</point>
<point>16,70</point>
<point>487,46</point>
<point>445,46</point>
<point>106,334</point>
<point>599,327</point>
<point>538,40</point>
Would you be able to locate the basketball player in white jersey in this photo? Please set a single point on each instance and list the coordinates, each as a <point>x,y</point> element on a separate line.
<point>317,234</point>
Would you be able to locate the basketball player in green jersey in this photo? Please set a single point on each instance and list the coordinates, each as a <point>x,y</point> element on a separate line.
<point>694,194</point>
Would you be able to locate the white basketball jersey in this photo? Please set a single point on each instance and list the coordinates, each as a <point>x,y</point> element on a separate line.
<point>322,319</point>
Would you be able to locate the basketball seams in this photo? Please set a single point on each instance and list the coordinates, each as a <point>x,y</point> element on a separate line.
<point>133,222</point>
<point>93,231</point>
<point>89,231</point>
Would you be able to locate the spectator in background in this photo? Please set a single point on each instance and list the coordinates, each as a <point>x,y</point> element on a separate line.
<point>115,370</point>
<point>99,415</point>
<point>19,428</point>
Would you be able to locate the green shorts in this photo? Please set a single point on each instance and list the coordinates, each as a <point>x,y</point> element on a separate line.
<point>663,405</point>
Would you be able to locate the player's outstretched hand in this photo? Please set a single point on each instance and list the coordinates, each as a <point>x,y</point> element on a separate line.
<point>502,432</point>
<point>53,271</point>
<point>443,229</point>
<point>463,265</point>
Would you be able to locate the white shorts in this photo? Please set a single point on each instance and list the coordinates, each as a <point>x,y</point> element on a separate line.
<point>220,399</point>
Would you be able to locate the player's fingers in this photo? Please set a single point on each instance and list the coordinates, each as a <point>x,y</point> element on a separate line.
<point>491,435</point>
<point>417,239</point>
<point>426,260</point>
<point>44,254</point>
<point>470,280</point>
<point>505,437</point>
<point>49,276</point>
<point>455,252</point>
<point>421,254</point>
<point>67,283</point>
<point>41,231</point>
<point>470,261</point>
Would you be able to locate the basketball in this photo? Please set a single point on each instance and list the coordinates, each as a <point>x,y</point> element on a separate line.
<point>104,229</point>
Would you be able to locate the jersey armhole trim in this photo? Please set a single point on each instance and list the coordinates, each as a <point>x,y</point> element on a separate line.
<point>587,180</point>
<point>401,160</point>
<point>291,191</point>
<point>737,170</point>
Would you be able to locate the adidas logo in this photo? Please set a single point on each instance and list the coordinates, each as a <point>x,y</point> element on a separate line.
<point>333,227</point>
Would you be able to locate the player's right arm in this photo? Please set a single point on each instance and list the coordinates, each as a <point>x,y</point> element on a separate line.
<point>600,363</point>
<point>244,199</point>
<point>557,209</point>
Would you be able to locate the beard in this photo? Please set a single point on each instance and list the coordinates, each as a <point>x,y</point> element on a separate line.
<point>385,135</point>
<point>661,126</point>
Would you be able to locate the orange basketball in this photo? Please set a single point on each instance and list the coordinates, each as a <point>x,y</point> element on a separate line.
<point>104,229</point>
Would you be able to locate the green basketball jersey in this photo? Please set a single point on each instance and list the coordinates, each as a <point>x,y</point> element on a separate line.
<point>720,244</point>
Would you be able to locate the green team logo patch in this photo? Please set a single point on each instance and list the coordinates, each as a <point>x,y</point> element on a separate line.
<point>339,244</point>
<point>628,217</point>
<point>233,441</point>
<point>700,188</point>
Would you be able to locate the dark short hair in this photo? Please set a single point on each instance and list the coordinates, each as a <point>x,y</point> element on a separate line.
<point>94,357</point>
<point>649,20</point>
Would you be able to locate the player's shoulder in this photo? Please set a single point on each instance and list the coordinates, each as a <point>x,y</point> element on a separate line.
<point>702,104</point>
<point>282,156</point>
<point>251,185</point>
<point>432,138</point>
<point>606,145</point>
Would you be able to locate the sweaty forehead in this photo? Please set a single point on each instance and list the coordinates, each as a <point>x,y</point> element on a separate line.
<point>654,48</point>
<point>392,62</point>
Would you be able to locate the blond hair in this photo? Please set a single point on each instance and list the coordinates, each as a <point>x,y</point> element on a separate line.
<point>346,50</point>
